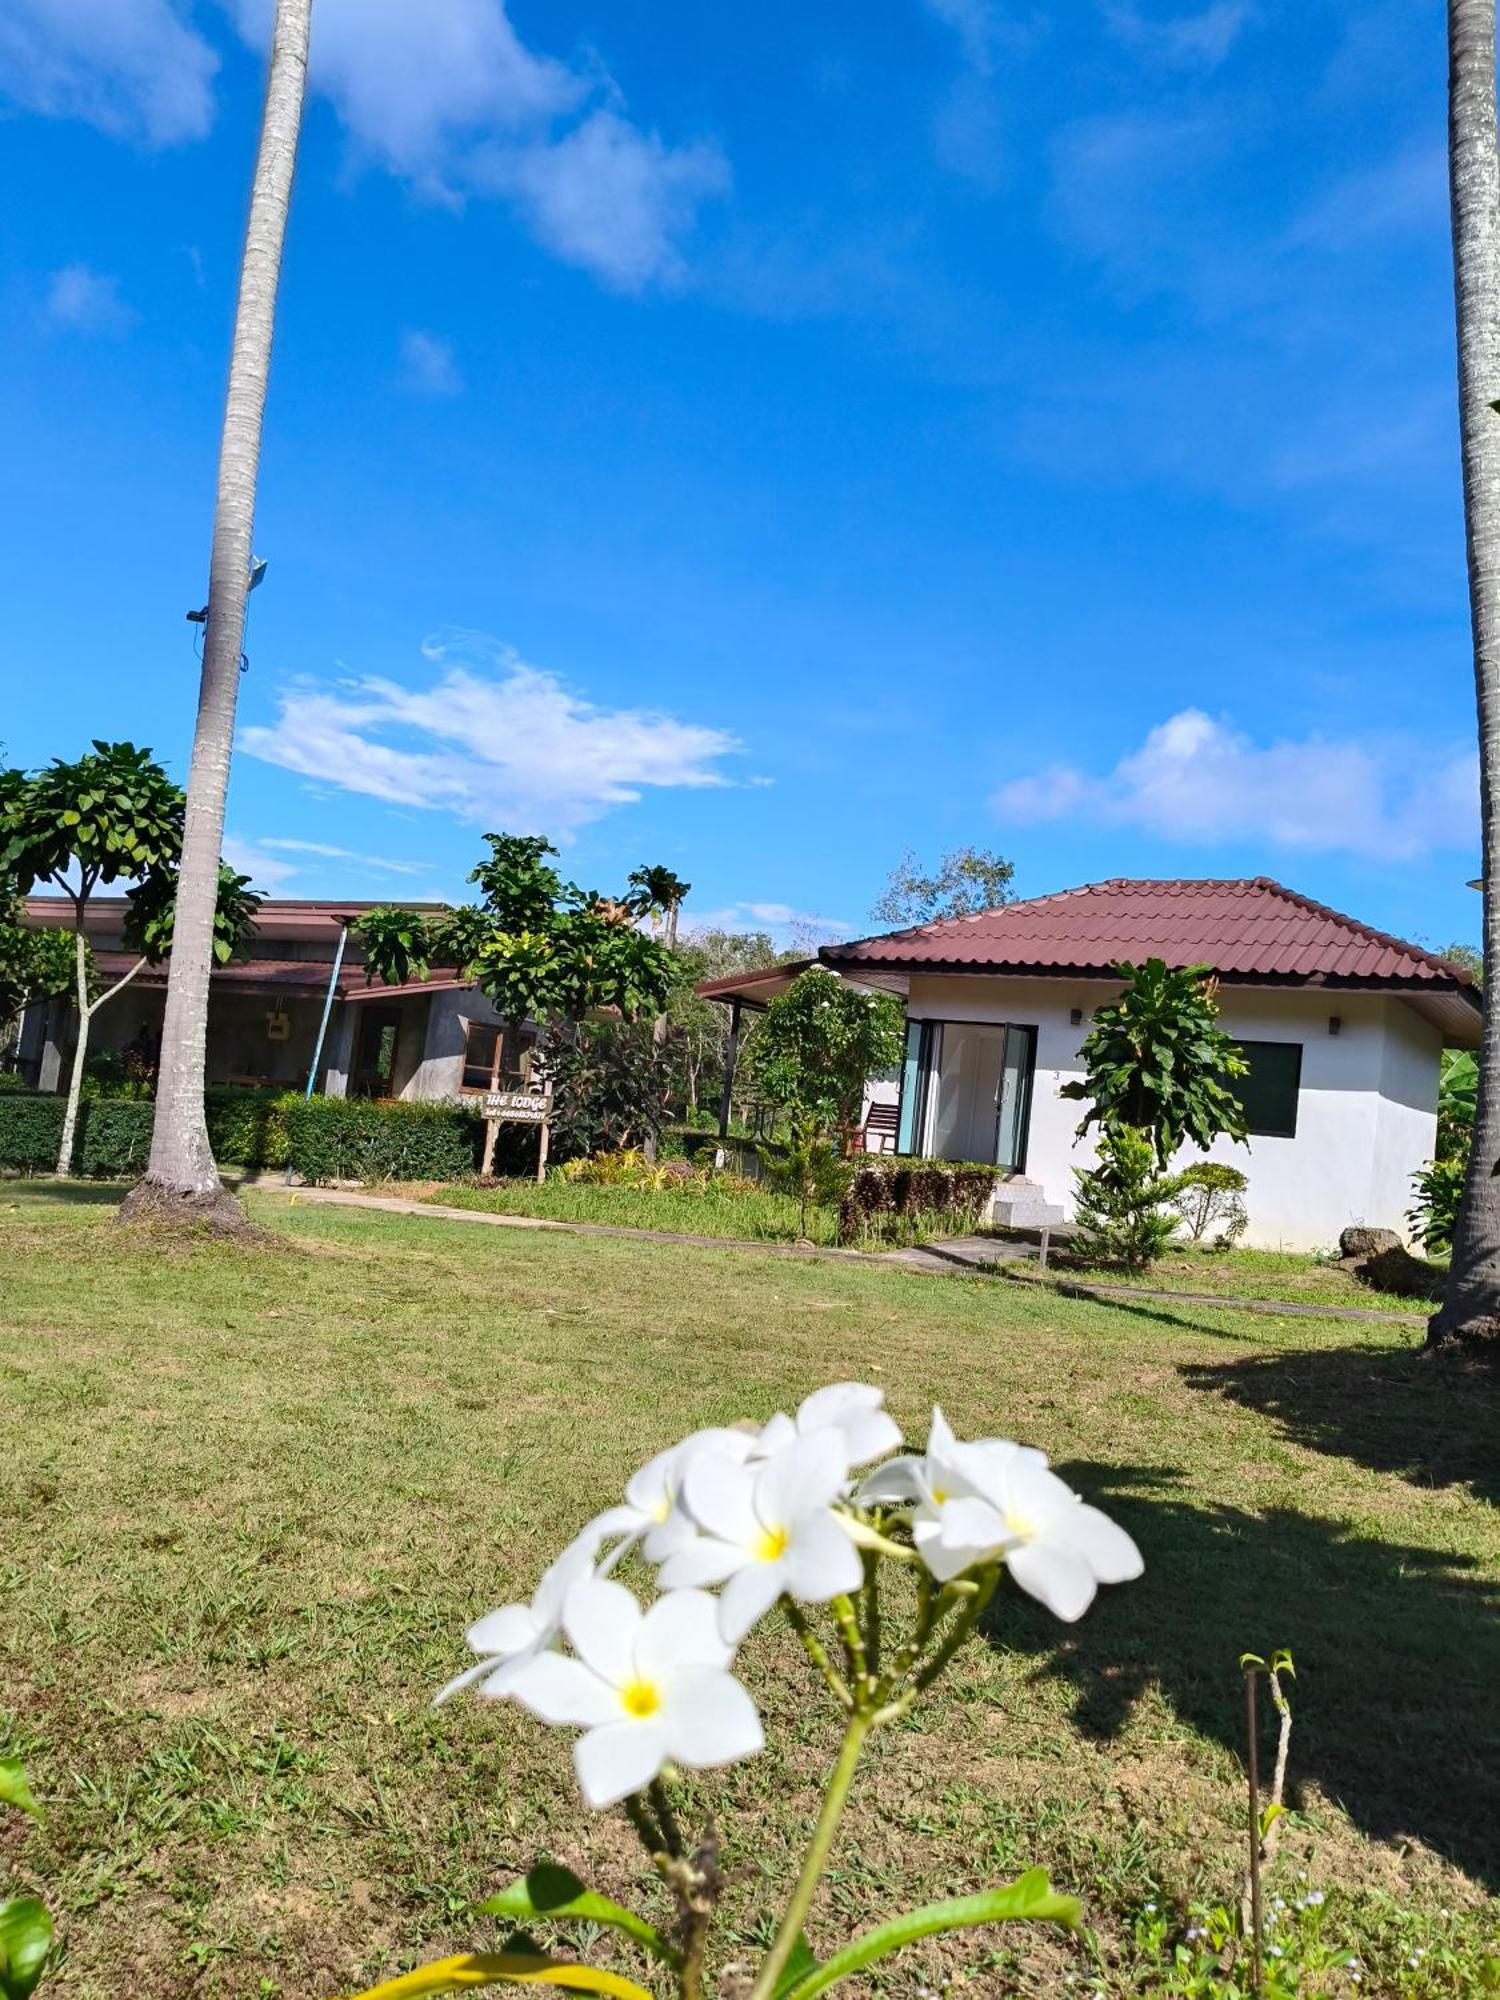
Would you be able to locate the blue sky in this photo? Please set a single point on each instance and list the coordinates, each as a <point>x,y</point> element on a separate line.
<point>761,439</point>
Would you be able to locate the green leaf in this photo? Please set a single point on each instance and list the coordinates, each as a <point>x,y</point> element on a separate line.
<point>1030,1898</point>
<point>797,1967</point>
<point>556,1893</point>
<point>25,1940</point>
<point>14,1790</point>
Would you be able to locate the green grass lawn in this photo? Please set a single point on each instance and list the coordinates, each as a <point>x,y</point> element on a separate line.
<point>251,1498</point>
<point>692,1211</point>
<point>1243,1274</point>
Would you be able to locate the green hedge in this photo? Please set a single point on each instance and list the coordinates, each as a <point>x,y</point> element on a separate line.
<point>886,1185</point>
<point>247,1128</point>
<point>30,1131</point>
<point>329,1138</point>
<point>365,1139</point>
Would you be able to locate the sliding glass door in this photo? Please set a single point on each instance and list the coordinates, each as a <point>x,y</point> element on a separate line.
<point>966,1091</point>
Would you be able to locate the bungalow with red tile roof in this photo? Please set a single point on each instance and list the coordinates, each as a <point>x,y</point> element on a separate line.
<point>1342,1027</point>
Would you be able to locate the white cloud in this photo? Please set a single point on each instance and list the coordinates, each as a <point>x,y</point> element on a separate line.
<point>1201,781</point>
<point>266,873</point>
<point>427,365</point>
<point>492,740</point>
<point>324,852</point>
<point>448,97</point>
<point>976,24</point>
<point>803,928</point>
<point>1199,40</point>
<point>608,197</point>
<point>445,95</point>
<point>87,301</point>
<point>133,68</point>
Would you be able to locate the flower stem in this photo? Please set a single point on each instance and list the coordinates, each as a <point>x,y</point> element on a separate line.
<point>853,1638</point>
<point>666,1819</point>
<point>817,1652</point>
<point>800,1900</point>
<point>646,1829</point>
<point>957,1632</point>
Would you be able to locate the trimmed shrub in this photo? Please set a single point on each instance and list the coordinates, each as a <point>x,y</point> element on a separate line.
<point>30,1131</point>
<point>370,1139</point>
<point>1210,1201</point>
<point>885,1185</point>
<point>116,1137</point>
<point>247,1128</point>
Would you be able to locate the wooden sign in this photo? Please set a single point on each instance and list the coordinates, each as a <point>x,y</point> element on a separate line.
<point>517,1107</point>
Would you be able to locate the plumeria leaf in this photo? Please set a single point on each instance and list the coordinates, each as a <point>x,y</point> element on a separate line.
<point>1030,1898</point>
<point>505,1968</point>
<point>25,1940</point>
<point>556,1893</point>
<point>797,1967</point>
<point>14,1790</point>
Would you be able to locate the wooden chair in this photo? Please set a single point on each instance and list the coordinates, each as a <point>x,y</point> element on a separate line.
<point>882,1123</point>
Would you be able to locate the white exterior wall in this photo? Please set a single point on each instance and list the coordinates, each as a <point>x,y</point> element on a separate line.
<point>1366,1114</point>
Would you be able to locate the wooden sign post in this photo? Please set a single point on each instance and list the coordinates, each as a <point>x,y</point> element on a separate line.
<point>517,1107</point>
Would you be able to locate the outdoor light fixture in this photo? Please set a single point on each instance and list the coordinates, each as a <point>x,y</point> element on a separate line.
<point>1076,1017</point>
<point>1335,1024</point>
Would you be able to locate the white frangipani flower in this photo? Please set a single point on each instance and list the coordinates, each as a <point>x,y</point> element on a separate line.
<point>974,1503</point>
<point>768,1528</point>
<point>508,1638</point>
<point>651,1515</point>
<point>647,1689</point>
<point>853,1409</point>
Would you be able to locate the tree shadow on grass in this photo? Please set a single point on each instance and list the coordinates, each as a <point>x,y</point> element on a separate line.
<point>63,1194</point>
<point>1434,1421</point>
<point>1397,1652</point>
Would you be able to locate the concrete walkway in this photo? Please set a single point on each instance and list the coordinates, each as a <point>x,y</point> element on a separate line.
<point>956,1256</point>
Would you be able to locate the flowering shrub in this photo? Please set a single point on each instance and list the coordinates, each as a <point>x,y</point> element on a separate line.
<point>778,1517</point>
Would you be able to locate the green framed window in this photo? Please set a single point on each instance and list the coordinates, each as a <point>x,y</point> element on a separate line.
<point>1269,1092</point>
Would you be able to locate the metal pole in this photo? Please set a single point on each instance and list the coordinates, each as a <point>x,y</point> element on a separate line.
<point>317,1055</point>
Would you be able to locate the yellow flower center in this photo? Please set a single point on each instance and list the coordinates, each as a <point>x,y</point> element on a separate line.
<point>1020,1525</point>
<point>662,1509</point>
<point>939,1495</point>
<point>640,1699</point>
<point>771,1544</point>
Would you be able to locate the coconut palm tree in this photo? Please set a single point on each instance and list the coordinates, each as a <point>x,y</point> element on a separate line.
<point>660,894</point>
<point>181,1175</point>
<point>1471,1309</point>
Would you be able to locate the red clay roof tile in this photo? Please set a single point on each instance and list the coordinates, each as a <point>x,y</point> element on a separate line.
<point>1251,929</point>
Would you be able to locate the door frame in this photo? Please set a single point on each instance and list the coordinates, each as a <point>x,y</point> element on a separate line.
<point>920,1070</point>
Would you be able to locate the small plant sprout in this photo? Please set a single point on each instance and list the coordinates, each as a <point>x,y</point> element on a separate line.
<point>774,1519</point>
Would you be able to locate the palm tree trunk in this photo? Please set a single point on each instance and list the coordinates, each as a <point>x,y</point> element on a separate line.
<point>1471,1309</point>
<point>181,1173</point>
<point>659,1025</point>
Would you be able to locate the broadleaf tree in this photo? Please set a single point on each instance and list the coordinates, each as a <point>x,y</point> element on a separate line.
<point>538,947</point>
<point>1156,1061</point>
<point>78,825</point>
<point>818,1044</point>
<point>965,880</point>
<point>181,1178</point>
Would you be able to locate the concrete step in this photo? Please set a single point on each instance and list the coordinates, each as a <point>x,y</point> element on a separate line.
<point>1023,1204</point>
